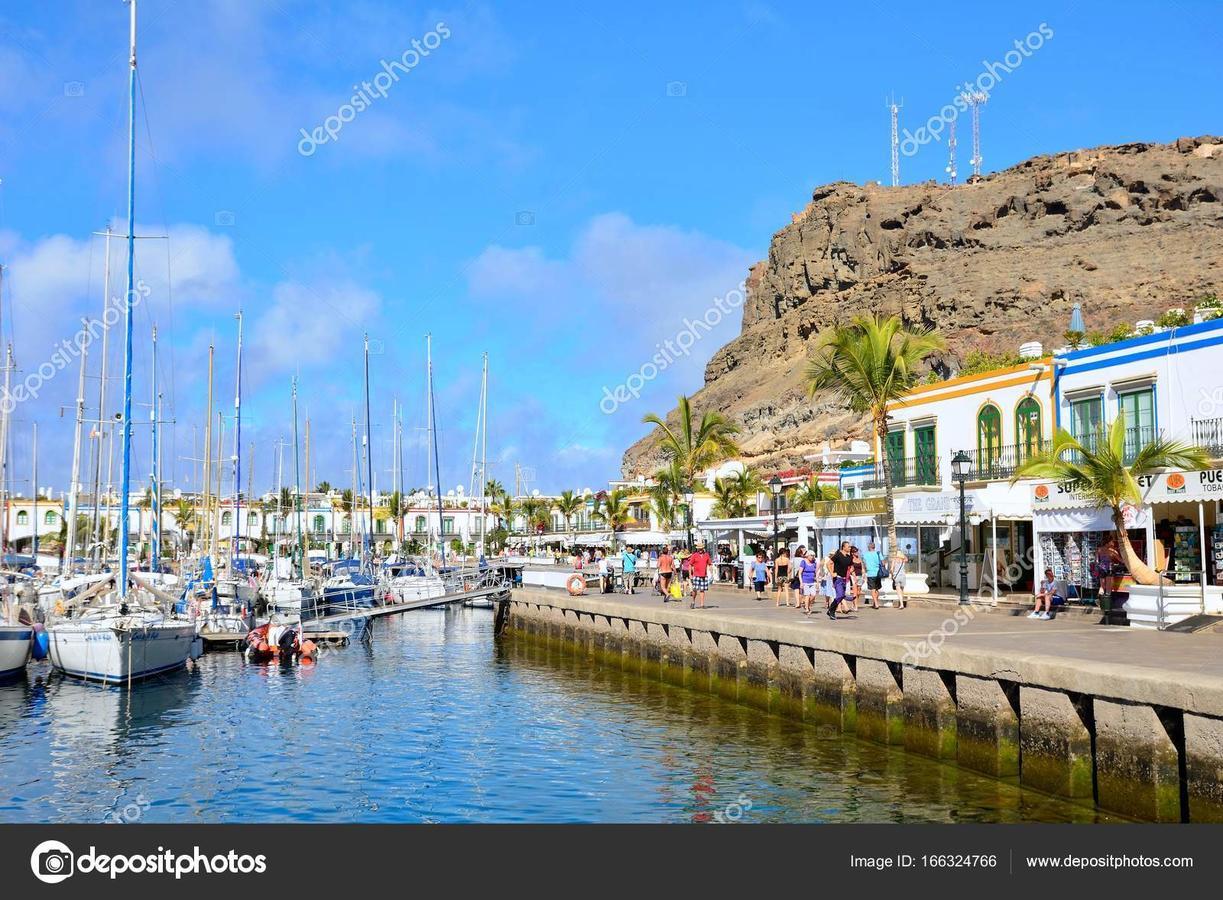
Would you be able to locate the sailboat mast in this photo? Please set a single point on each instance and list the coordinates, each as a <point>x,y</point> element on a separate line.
<point>100,531</point>
<point>437,463</point>
<point>369,460</point>
<point>297,479</point>
<point>155,487</point>
<point>484,465</point>
<point>206,543</point>
<point>352,540</point>
<point>70,537</point>
<point>125,477</point>
<point>34,480</point>
<point>236,549</point>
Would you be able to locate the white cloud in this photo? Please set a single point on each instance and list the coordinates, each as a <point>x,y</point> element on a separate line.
<point>621,273</point>
<point>306,326</point>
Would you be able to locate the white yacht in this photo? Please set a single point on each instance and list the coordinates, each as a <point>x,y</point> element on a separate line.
<point>15,641</point>
<point>120,643</point>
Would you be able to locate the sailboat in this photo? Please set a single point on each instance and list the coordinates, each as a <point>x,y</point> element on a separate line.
<point>126,636</point>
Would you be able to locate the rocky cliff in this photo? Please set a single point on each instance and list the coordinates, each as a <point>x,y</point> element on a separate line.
<point>1126,231</point>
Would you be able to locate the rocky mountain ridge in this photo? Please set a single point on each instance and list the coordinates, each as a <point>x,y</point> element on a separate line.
<point>1126,231</point>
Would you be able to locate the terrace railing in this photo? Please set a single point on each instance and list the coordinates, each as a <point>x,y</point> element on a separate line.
<point>1001,463</point>
<point>912,471</point>
<point>1208,434</point>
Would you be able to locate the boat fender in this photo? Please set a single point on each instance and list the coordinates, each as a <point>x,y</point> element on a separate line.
<point>40,641</point>
<point>309,649</point>
<point>576,585</point>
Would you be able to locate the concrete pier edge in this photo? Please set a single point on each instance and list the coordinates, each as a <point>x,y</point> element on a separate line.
<point>1130,742</point>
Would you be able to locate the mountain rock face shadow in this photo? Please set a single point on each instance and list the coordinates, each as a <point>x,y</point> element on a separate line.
<point>1126,231</point>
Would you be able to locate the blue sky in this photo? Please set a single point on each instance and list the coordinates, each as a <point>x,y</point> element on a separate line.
<point>559,187</point>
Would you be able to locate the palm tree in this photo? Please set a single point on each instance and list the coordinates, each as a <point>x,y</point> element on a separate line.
<point>809,494</point>
<point>1100,473</point>
<point>568,504</point>
<point>747,485</point>
<point>664,507</point>
<point>493,488</point>
<point>503,507</point>
<point>184,520</point>
<point>323,487</point>
<point>695,450</point>
<point>396,507</point>
<point>536,511</point>
<point>726,503</point>
<point>868,364</point>
<point>613,509</point>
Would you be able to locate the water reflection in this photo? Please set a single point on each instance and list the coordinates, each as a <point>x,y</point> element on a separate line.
<point>434,721</point>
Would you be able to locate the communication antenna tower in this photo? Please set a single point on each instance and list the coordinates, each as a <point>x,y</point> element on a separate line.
<point>894,109</point>
<point>951,170</point>
<point>976,100</point>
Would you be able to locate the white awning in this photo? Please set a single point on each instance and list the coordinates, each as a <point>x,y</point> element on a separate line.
<point>594,540</point>
<point>1066,521</point>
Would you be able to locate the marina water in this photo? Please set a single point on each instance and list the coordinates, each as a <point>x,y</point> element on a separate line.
<point>436,720</point>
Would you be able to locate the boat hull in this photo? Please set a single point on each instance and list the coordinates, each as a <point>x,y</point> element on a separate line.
<point>116,655</point>
<point>14,649</point>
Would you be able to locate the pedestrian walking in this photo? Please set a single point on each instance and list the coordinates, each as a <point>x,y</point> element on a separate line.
<point>872,564</point>
<point>698,564</point>
<point>842,565</point>
<point>781,572</point>
<point>760,574</point>
<point>666,571</point>
<point>628,564</point>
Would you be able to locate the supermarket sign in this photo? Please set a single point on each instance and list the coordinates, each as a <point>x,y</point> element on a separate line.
<point>1166,487</point>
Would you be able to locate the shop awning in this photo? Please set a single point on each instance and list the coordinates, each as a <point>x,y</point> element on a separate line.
<point>1085,519</point>
<point>594,540</point>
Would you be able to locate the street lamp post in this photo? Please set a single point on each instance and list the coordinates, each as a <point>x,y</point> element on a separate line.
<point>959,472</point>
<point>688,515</point>
<point>775,487</point>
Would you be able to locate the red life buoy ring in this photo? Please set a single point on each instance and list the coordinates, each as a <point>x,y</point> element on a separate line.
<point>576,585</point>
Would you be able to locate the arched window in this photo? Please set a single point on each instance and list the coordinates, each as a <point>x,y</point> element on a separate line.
<point>989,436</point>
<point>23,517</point>
<point>419,528</point>
<point>50,518</point>
<point>227,518</point>
<point>319,523</point>
<point>1027,427</point>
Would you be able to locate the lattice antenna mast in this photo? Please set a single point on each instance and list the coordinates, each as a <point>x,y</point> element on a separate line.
<point>951,170</point>
<point>894,109</point>
<point>976,100</point>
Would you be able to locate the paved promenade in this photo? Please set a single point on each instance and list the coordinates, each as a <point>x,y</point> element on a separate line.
<point>1069,653</point>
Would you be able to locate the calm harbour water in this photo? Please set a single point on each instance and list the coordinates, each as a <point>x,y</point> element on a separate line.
<point>435,721</point>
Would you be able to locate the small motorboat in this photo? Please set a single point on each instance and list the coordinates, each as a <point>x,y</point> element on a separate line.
<point>280,641</point>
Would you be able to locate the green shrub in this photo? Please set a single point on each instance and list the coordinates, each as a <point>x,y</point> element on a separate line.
<point>978,361</point>
<point>1174,318</point>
